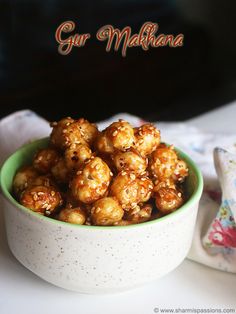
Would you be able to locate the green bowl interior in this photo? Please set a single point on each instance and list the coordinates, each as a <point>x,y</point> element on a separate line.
<point>24,155</point>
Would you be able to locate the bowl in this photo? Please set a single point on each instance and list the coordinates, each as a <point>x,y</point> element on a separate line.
<point>97,259</point>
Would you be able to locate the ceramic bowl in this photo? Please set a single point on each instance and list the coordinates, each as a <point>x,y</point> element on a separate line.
<point>97,259</point>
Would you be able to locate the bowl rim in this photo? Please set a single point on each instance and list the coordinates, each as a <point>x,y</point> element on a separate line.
<point>193,198</point>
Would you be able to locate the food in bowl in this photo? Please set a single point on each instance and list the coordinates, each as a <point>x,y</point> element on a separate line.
<point>96,259</point>
<point>119,176</point>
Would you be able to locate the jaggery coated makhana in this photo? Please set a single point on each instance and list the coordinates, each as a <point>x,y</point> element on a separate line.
<point>120,176</point>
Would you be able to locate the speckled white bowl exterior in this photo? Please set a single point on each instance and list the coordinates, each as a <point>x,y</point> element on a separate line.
<point>92,259</point>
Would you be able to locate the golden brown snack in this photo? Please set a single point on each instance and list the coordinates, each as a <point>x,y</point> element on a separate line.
<point>41,199</point>
<point>130,160</point>
<point>167,183</point>
<point>68,131</point>
<point>180,171</point>
<point>106,212</point>
<point>139,214</point>
<point>168,200</point>
<point>103,144</point>
<point>147,139</point>
<point>45,180</point>
<point>57,137</point>
<point>60,172</point>
<point>73,215</point>
<point>145,189</point>
<point>23,179</point>
<point>106,178</point>
<point>88,131</point>
<point>163,162</point>
<point>76,155</point>
<point>92,182</point>
<point>130,189</point>
<point>119,135</point>
<point>45,159</point>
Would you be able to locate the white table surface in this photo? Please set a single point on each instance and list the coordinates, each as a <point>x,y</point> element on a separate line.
<point>190,286</point>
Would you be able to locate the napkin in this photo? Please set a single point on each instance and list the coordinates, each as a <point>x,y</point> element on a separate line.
<point>214,240</point>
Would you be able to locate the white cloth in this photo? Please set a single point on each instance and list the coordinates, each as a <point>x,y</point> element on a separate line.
<point>24,126</point>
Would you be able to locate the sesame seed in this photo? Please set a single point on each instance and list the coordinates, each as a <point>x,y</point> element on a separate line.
<point>40,193</point>
<point>123,173</point>
<point>179,194</point>
<point>35,197</point>
<point>111,174</point>
<point>115,133</point>
<point>98,209</point>
<point>53,193</point>
<point>132,176</point>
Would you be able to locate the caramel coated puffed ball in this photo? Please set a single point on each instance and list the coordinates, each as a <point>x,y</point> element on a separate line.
<point>130,189</point>
<point>119,135</point>
<point>168,200</point>
<point>166,183</point>
<point>45,159</point>
<point>45,180</point>
<point>41,199</point>
<point>147,139</point>
<point>145,188</point>
<point>130,160</point>
<point>92,182</point>
<point>106,212</point>
<point>88,131</point>
<point>68,131</point>
<point>139,214</point>
<point>76,155</point>
<point>180,171</point>
<point>57,137</point>
<point>163,162</point>
<point>60,171</point>
<point>103,144</point>
<point>73,215</point>
<point>23,179</point>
